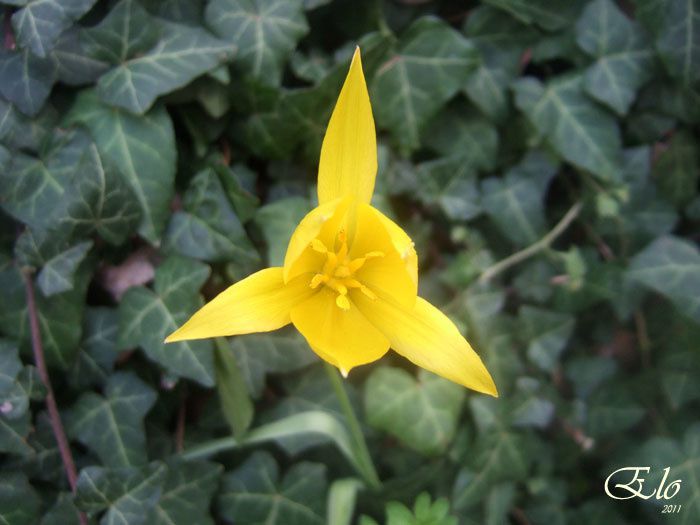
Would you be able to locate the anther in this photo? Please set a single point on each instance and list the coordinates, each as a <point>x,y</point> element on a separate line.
<point>318,279</point>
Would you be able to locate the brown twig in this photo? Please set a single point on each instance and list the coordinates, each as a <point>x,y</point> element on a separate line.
<point>54,416</point>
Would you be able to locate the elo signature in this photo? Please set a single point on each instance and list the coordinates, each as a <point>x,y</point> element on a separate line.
<point>634,487</point>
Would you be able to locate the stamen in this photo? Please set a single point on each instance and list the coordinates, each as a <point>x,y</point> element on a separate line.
<point>343,271</point>
<point>342,302</point>
<point>318,279</point>
<point>318,246</point>
<point>369,293</point>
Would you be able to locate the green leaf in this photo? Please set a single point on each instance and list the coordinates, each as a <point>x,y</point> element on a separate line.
<point>235,401</point>
<point>13,435</point>
<point>424,512</point>
<point>57,275</point>
<point>112,425</point>
<point>548,14</point>
<point>422,413</point>
<point>499,454</point>
<point>547,333</point>
<point>141,147</point>
<point>456,132</point>
<point>147,317</point>
<point>74,65</point>
<point>13,398</point>
<point>624,58</point>
<point>425,68</point>
<point>277,221</point>
<point>611,410</point>
<point>98,348</point>
<point>25,79</point>
<point>516,202</point>
<point>264,31</point>
<point>254,493</point>
<point>208,227</point>
<point>19,503</point>
<point>182,54</point>
<point>677,170</point>
<point>671,267</point>
<point>450,183</point>
<point>676,27</point>
<point>127,494</point>
<point>576,127</point>
<point>40,22</point>
<point>63,512</point>
<point>127,31</point>
<point>341,501</point>
<point>260,354</point>
<point>681,456</point>
<point>60,316</point>
<point>187,493</point>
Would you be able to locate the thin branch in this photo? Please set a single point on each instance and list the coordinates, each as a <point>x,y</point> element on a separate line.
<point>534,248</point>
<point>54,416</point>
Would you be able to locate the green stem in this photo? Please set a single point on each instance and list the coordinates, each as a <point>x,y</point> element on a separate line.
<point>209,448</point>
<point>354,426</point>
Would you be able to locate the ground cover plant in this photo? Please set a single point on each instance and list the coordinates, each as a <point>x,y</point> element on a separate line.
<point>542,156</point>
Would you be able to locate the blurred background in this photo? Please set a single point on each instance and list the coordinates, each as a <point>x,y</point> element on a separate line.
<point>542,155</point>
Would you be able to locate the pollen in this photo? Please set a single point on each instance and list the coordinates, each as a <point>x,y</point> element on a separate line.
<point>338,271</point>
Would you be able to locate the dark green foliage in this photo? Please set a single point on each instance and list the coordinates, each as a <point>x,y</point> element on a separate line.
<point>153,152</point>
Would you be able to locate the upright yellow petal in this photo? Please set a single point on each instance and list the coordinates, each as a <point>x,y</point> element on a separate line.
<point>425,336</point>
<point>349,152</point>
<point>258,303</point>
<point>342,337</point>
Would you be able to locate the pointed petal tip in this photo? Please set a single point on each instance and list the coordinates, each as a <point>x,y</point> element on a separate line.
<point>344,372</point>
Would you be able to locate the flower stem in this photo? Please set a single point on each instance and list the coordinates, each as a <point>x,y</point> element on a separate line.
<point>354,426</point>
<point>54,416</point>
<point>518,257</point>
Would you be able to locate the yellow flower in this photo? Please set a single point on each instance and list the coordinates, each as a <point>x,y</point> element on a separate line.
<point>350,276</point>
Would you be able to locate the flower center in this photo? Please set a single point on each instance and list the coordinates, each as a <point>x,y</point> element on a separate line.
<point>339,270</point>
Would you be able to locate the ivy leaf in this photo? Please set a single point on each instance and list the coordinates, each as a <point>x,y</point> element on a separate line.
<point>420,413</point>
<point>98,348</point>
<point>675,26</point>
<point>681,457</point>
<point>59,316</point>
<point>142,148</point>
<point>624,58</point>
<point>187,493</point>
<point>63,512</point>
<point>451,184</point>
<point>549,15</point>
<point>112,425</point>
<point>146,317</point>
<point>25,79</point>
<point>576,127</point>
<point>677,170</point>
<point>13,398</point>
<point>611,410</point>
<point>671,267</point>
<point>19,503</point>
<point>265,33</point>
<point>516,202</point>
<point>254,493</point>
<point>456,132</point>
<point>127,31</point>
<point>277,221</point>
<point>58,273</point>
<point>74,65</point>
<point>40,22</point>
<point>260,354</point>
<point>208,227</point>
<point>182,54</point>
<point>127,494</point>
<point>547,333</point>
<point>13,435</point>
<point>426,67</point>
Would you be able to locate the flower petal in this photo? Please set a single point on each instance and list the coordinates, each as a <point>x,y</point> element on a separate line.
<point>388,275</point>
<point>323,223</point>
<point>344,338</point>
<point>425,336</point>
<point>403,244</point>
<point>348,163</point>
<point>259,303</point>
